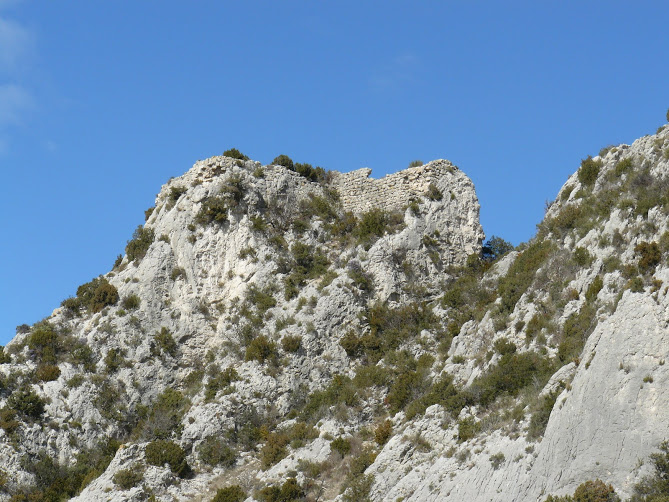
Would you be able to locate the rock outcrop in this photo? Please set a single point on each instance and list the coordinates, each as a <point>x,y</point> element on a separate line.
<point>345,339</point>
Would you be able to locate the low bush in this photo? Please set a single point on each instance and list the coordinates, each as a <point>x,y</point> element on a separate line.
<point>512,373</point>
<point>128,478</point>
<point>415,163</point>
<point>274,449</point>
<point>521,273</point>
<point>589,170</point>
<point>175,193</point>
<point>655,488</point>
<point>214,451</point>
<point>341,390</point>
<point>540,417</point>
<point>261,349</point>
<point>341,446</point>
<point>213,210</point>
<point>433,193</point>
<point>94,296</point>
<point>374,224</point>
<point>233,493</point>
<point>592,491</point>
<point>114,360</point>
<point>27,403</point>
<point>283,160</point>
<point>575,332</point>
<point>8,420</point>
<point>47,373</point>
<point>235,154</point>
<point>164,416</point>
<point>165,342</point>
<point>383,432</point>
<point>291,343</point>
<point>161,452</point>
<point>137,247</point>
<point>131,302</point>
<point>220,380</point>
<point>649,256</point>
<point>468,428</point>
<point>289,491</point>
<point>45,342</point>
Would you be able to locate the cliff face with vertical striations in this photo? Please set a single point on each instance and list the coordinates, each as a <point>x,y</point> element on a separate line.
<point>271,335</point>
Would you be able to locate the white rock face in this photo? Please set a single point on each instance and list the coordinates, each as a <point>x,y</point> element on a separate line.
<point>215,287</point>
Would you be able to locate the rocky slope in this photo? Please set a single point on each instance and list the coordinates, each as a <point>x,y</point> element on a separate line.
<point>284,333</point>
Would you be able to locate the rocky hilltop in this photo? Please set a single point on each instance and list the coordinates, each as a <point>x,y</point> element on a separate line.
<point>279,332</point>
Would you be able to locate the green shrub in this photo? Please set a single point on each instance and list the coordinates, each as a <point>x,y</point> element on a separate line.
<point>592,491</point>
<point>274,449</point>
<point>213,210</point>
<point>291,343</point>
<point>4,358</point>
<point>283,160</point>
<point>176,192</point>
<point>8,420</point>
<point>235,154</point>
<point>362,280</point>
<point>315,174</point>
<point>521,273</point>
<point>374,224</point>
<point>94,296</point>
<point>341,446</point>
<point>582,257</point>
<point>233,493</point>
<point>47,373</point>
<point>128,478</point>
<point>433,193</point>
<point>262,300</point>
<point>589,170</point>
<point>649,256</point>
<point>114,360</point>
<point>165,342</point>
<point>540,417</point>
<point>383,432</point>
<point>415,163</point>
<point>358,488</point>
<point>45,342</point>
<point>496,460</point>
<point>575,332</point>
<point>220,380</point>
<point>161,452</point>
<point>290,491</point>
<point>164,416</point>
<point>655,488</point>
<point>623,166</point>
<point>131,302</point>
<point>594,288</point>
<point>351,344</point>
<point>503,346</point>
<point>177,272</point>
<point>26,403</point>
<point>512,373</point>
<point>214,451</point>
<point>233,190</point>
<point>340,391</point>
<point>468,428</point>
<point>137,247</point>
<point>261,349</point>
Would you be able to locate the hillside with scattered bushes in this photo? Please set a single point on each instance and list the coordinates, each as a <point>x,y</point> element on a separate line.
<point>272,333</point>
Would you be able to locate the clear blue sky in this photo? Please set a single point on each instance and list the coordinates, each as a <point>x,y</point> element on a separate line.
<point>102,102</point>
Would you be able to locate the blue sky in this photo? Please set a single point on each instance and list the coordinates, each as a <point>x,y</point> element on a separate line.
<point>102,102</point>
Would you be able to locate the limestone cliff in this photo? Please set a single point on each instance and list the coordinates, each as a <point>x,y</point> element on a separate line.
<point>291,334</point>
